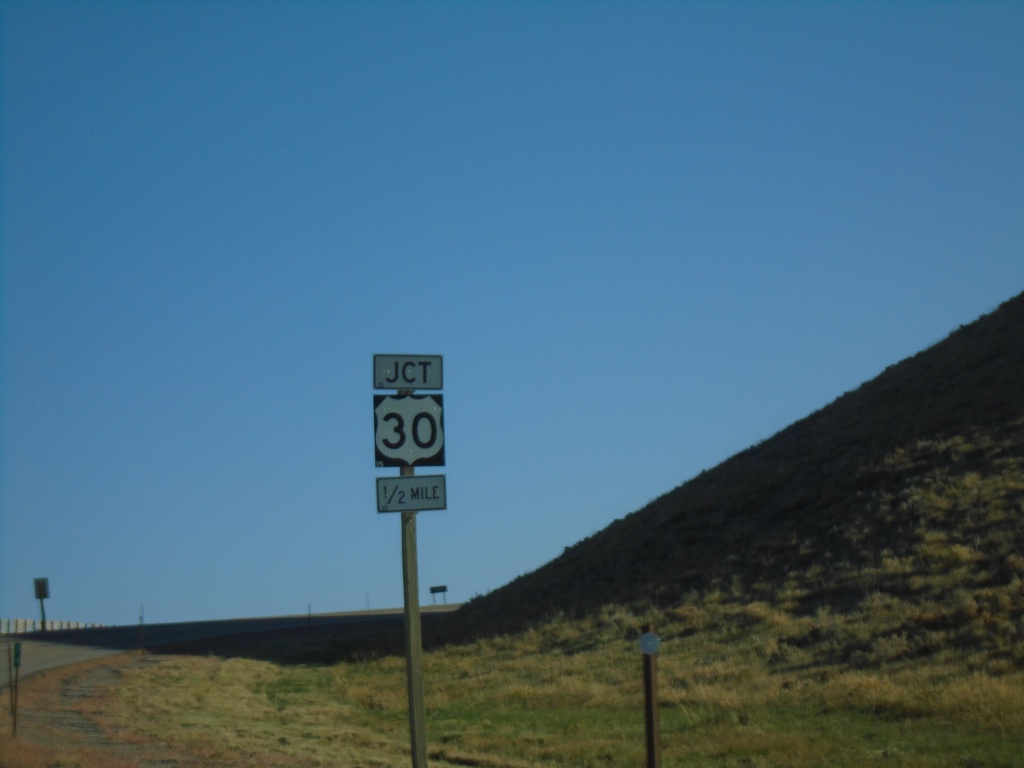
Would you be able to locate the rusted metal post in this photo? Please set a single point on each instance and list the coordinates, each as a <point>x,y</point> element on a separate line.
<point>652,727</point>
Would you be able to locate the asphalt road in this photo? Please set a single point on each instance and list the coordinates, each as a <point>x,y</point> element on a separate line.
<point>41,651</point>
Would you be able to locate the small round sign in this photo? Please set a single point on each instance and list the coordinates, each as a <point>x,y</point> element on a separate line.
<point>649,643</point>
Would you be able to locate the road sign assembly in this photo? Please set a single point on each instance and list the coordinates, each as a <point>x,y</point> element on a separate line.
<point>408,432</point>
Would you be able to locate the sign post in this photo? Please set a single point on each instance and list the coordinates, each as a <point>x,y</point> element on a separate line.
<point>649,644</point>
<point>17,674</point>
<point>413,637</point>
<point>10,676</point>
<point>409,432</point>
<point>42,592</point>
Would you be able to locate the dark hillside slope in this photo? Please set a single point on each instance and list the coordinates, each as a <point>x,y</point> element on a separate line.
<point>909,489</point>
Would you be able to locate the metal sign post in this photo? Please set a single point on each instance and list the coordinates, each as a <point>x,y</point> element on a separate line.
<point>649,644</point>
<point>17,674</point>
<point>409,431</point>
<point>42,592</point>
<point>10,676</point>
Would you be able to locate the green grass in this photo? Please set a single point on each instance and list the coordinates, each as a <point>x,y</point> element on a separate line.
<point>740,691</point>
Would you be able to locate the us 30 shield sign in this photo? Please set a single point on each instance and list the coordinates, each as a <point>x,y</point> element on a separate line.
<point>409,430</point>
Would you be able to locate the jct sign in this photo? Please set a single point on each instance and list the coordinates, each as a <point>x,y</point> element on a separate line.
<point>407,372</point>
<point>409,430</point>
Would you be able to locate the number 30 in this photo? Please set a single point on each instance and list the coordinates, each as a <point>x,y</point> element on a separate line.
<point>398,431</point>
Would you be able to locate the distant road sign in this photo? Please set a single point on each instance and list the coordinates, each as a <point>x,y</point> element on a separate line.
<point>418,492</point>
<point>409,430</point>
<point>408,372</point>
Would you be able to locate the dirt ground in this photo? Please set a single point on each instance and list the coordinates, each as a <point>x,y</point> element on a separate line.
<point>59,722</point>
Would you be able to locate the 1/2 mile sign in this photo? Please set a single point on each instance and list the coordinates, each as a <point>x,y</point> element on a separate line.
<point>399,494</point>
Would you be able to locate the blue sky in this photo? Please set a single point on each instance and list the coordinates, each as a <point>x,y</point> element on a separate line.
<point>643,236</point>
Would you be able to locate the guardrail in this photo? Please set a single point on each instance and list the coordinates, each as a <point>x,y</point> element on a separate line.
<point>19,626</point>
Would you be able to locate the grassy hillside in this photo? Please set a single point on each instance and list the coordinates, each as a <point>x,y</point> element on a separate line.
<point>846,593</point>
<point>898,510</point>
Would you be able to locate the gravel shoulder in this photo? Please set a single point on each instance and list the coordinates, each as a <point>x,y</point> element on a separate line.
<point>58,716</point>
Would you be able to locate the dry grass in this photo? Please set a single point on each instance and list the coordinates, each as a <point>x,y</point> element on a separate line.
<point>17,752</point>
<point>740,691</point>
